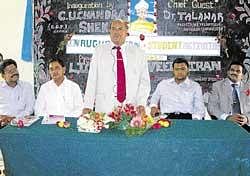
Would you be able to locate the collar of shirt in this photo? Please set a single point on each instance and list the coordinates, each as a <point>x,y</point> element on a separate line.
<point>61,85</point>
<point>237,85</point>
<point>186,82</point>
<point>123,51</point>
<point>114,45</point>
<point>4,84</point>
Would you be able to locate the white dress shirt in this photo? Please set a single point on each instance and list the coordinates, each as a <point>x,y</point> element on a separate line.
<point>185,97</point>
<point>65,99</point>
<point>16,101</point>
<point>101,85</point>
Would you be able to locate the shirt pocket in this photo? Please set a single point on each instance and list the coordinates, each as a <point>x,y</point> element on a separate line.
<point>20,103</point>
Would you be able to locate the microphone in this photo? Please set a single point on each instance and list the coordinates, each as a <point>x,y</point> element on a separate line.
<point>114,47</point>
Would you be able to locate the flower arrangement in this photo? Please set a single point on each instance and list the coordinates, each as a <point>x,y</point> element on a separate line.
<point>63,124</point>
<point>93,122</point>
<point>127,118</point>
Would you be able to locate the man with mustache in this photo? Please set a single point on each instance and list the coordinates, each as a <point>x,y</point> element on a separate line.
<point>230,98</point>
<point>118,74</point>
<point>16,96</point>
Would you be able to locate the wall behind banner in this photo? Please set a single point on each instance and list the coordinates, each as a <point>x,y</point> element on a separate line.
<point>227,19</point>
<point>12,17</point>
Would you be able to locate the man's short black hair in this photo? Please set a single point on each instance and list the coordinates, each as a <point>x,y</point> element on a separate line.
<point>180,60</point>
<point>5,63</point>
<point>237,63</point>
<point>60,61</point>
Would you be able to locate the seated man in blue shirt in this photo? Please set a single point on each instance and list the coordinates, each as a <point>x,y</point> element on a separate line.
<point>178,97</point>
<point>16,97</point>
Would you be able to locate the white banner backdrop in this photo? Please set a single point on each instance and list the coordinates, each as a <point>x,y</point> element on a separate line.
<point>156,45</point>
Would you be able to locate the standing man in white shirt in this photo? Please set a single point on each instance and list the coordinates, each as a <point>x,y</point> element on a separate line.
<point>59,96</point>
<point>230,97</point>
<point>16,96</point>
<point>178,97</point>
<point>106,88</point>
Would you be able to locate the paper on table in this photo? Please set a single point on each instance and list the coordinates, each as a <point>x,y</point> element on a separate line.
<point>52,119</point>
<point>27,121</point>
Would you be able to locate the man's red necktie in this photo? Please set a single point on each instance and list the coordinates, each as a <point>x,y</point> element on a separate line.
<point>121,79</point>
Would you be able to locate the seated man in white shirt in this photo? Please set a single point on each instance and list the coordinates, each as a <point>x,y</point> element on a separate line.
<point>16,97</point>
<point>59,96</point>
<point>178,97</point>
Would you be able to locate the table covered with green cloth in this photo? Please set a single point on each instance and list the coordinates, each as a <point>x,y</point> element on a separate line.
<point>186,148</point>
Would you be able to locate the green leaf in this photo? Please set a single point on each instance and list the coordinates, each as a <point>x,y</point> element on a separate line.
<point>132,131</point>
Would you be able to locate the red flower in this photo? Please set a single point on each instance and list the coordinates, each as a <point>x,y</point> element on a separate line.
<point>111,114</point>
<point>129,110</point>
<point>247,92</point>
<point>142,37</point>
<point>20,124</point>
<point>157,125</point>
<point>115,115</point>
<point>66,124</point>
